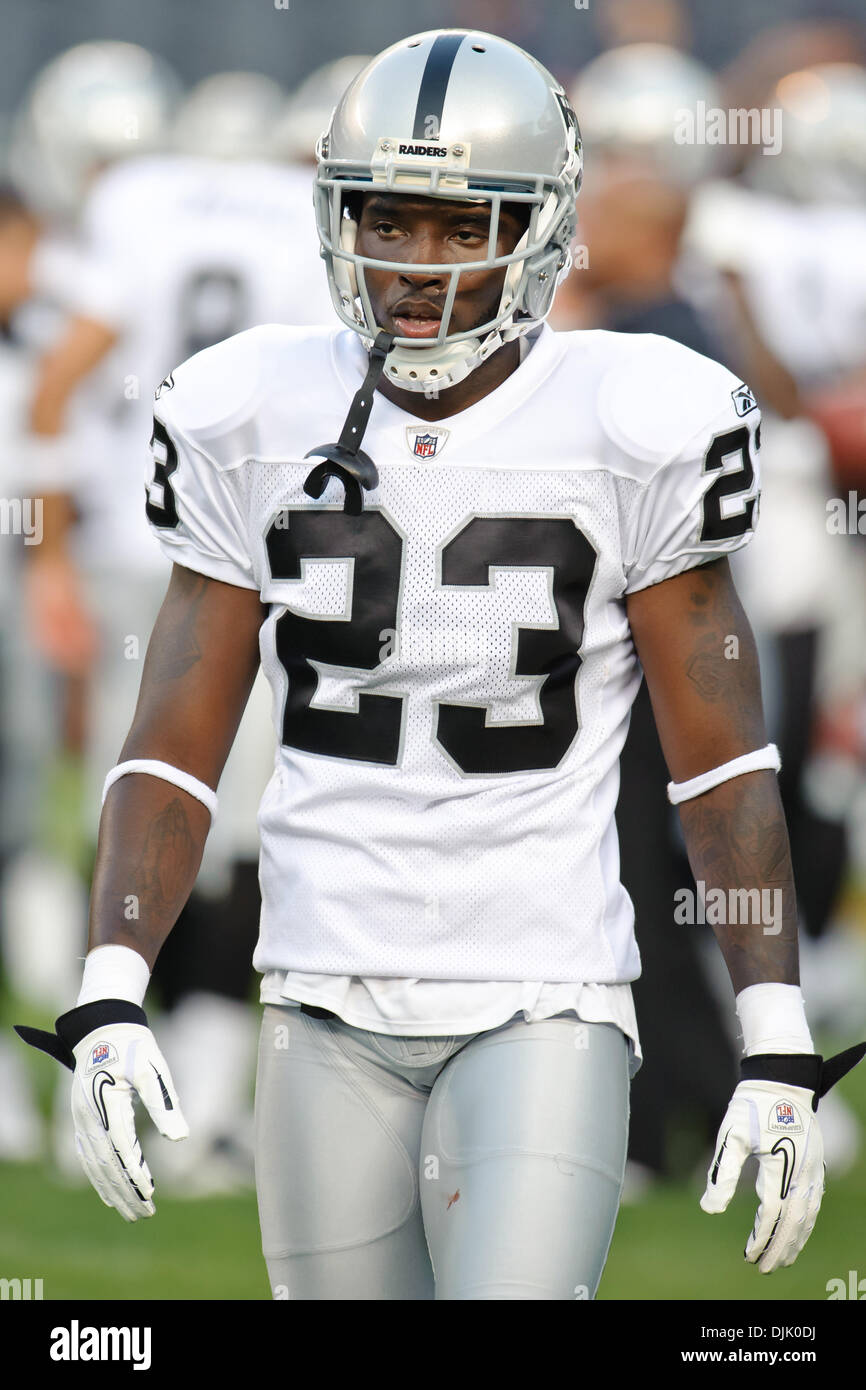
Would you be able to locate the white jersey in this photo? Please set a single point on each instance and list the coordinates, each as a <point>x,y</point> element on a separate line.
<point>808,289</point>
<point>452,671</point>
<point>803,271</point>
<point>196,250</point>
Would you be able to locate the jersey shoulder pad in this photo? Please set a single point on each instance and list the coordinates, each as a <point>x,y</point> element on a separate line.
<point>215,398</point>
<point>660,396</point>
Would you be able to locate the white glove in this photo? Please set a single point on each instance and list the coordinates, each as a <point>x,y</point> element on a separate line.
<point>774,1118</point>
<point>113,1055</point>
<point>776,1123</point>
<point>111,1065</point>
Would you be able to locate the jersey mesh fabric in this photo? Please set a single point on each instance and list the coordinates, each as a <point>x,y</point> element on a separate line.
<point>422,865</point>
<point>441,858</point>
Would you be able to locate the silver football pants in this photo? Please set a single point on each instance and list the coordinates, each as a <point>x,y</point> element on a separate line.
<point>483,1166</point>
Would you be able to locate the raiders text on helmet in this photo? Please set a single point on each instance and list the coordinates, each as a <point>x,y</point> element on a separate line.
<point>462,115</point>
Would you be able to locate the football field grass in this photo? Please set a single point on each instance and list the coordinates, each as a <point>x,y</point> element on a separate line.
<point>664,1247</point>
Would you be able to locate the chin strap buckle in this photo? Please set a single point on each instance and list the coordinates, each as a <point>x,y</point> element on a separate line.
<point>346,460</point>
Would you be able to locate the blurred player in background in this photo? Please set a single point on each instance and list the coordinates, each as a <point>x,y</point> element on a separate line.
<point>25,704</point>
<point>194,244</point>
<point>645,271</point>
<point>783,246</point>
<point>94,105</point>
<point>631,279</point>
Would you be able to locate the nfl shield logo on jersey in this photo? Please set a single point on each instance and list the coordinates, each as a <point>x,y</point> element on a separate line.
<point>425,445</point>
<point>784,1113</point>
<point>426,441</point>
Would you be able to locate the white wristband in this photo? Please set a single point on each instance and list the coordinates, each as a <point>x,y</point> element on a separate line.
<point>114,972</point>
<point>153,768</point>
<point>749,762</point>
<point>773,1019</point>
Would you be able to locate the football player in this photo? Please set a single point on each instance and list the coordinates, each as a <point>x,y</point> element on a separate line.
<point>210,238</point>
<point>451,535</point>
<point>192,245</point>
<point>786,246</point>
<point>630,279</point>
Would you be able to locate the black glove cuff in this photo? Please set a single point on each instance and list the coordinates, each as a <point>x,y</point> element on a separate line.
<point>71,1027</point>
<point>802,1069</point>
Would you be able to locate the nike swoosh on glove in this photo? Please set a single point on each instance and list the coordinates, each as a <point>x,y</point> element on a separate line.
<point>113,1056</point>
<point>772,1114</point>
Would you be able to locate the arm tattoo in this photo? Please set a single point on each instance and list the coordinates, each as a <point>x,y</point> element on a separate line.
<point>703,669</point>
<point>737,842</point>
<point>722,673</point>
<point>160,879</point>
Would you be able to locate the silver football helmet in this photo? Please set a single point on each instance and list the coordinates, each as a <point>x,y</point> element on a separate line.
<point>630,100</point>
<point>230,115</point>
<point>823,146</point>
<point>463,115</point>
<point>95,103</point>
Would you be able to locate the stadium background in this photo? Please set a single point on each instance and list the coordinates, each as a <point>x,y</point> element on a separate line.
<point>208,1247</point>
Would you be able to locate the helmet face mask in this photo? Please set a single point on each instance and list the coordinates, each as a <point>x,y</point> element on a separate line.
<point>370,147</point>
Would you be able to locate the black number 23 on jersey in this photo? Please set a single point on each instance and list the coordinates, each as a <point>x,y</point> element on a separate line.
<point>372,734</point>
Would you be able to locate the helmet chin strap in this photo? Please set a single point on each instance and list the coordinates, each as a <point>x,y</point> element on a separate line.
<point>345,459</point>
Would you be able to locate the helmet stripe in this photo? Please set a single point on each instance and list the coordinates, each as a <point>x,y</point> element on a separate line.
<point>434,84</point>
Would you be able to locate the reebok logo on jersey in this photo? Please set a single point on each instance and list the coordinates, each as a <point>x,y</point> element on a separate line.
<point>426,443</point>
<point>743,400</point>
<point>165,385</point>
